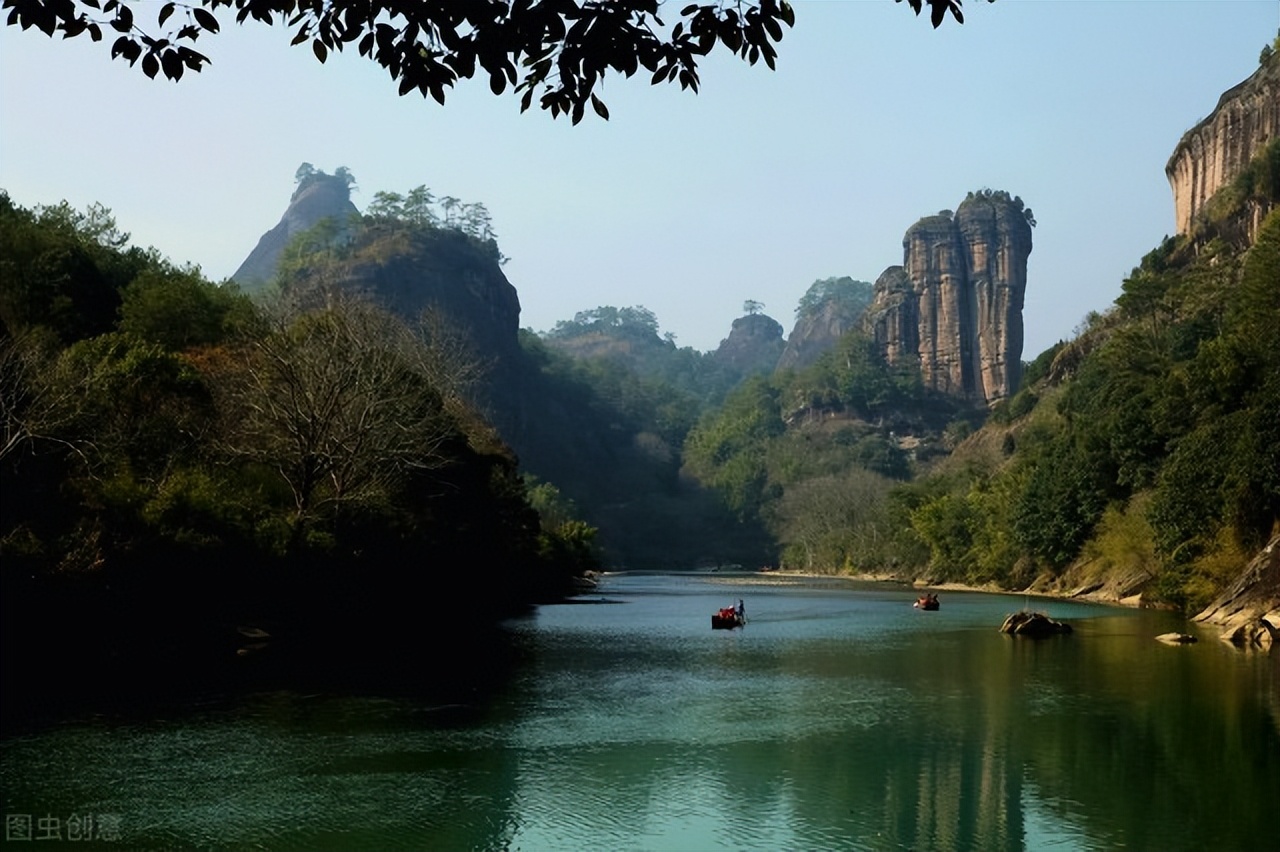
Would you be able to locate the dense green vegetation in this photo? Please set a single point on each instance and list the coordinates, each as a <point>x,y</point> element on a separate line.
<point>631,339</point>
<point>609,437</point>
<point>179,460</point>
<point>849,295</point>
<point>813,455</point>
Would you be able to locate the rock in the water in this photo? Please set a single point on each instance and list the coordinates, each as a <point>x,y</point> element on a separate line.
<point>1033,624</point>
<point>1177,638</point>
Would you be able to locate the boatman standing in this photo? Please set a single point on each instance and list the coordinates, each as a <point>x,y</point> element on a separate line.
<point>742,611</point>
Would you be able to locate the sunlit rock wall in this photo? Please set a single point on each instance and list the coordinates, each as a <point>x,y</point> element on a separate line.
<point>1217,149</point>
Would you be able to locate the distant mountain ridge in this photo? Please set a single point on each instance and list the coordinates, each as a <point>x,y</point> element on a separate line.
<point>954,307</point>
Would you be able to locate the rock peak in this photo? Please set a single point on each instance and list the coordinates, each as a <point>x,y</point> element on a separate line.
<point>317,197</point>
<point>954,306</point>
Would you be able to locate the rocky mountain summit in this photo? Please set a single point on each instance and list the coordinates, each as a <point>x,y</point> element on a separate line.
<point>1211,154</point>
<point>955,304</point>
<point>440,276</point>
<point>754,345</point>
<point>439,271</point>
<point>315,199</point>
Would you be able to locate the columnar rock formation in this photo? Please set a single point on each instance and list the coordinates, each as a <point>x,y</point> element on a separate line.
<point>1217,149</point>
<point>955,305</point>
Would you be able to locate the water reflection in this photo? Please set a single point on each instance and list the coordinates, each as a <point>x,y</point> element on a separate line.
<point>839,719</point>
<point>882,737</point>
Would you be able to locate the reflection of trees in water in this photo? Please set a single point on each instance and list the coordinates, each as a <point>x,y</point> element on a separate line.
<point>1138,747</point>
<point>938,775</point>
<point>961,740</point>
<point>1273,694</point>
<point>1164,748</point>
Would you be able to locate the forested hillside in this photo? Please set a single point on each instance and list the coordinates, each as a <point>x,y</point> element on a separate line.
<point>179,461</point>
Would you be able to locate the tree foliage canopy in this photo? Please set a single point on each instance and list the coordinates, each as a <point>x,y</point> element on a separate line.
<point>557,51</point>
<point>852,296</point>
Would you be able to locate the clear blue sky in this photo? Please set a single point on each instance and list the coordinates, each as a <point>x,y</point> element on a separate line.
<point>685,204</point>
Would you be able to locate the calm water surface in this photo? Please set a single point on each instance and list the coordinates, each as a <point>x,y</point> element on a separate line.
<point>840,718</point>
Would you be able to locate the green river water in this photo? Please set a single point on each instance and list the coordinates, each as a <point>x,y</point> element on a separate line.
<point>839,718</point>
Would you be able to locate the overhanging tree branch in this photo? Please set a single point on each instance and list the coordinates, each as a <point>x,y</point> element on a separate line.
<point>555,51</point>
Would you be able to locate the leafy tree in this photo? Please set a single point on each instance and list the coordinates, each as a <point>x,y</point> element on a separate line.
<point>386,205</point>
<point>62,270</point>
<point>564,538</point>
<point>558,52</point>
<point>836,522</point>
<point>637,321</point>
<point>999,196</point>
<point>726,450</point>
<point>177,308</point>
<point>854,376</point>
<point>852,296</point>
<point>305,174</point>
<point>1062,499</point>
<point>133,404</point>
<point>343,174</point>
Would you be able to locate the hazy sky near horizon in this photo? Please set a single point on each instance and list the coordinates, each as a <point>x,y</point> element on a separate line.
<point>686,204</point>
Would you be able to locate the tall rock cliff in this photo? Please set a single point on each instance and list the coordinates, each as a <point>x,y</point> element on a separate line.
<point>438,273</point>
<point>955,305</point>
<point>1211,154</point>
<point>319,197</point>
<point>442,271</point>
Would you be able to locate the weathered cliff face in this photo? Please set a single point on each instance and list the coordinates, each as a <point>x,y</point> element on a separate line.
<point>444,272</point>
<point>893,318</point>
<point>1217,149</point>
<point>955,305</point>
<point>1248,612</point>
<point>320,197</point>
<point>817,332</point>
<point>441,274</point>
<point>754,345</point>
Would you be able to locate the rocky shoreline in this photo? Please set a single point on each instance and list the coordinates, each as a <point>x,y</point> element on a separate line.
<point>1247,614</point>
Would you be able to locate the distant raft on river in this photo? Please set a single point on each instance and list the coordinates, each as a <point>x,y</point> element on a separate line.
<point>727,619</point>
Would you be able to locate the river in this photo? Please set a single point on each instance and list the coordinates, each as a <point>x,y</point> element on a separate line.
<point>839,718</point>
